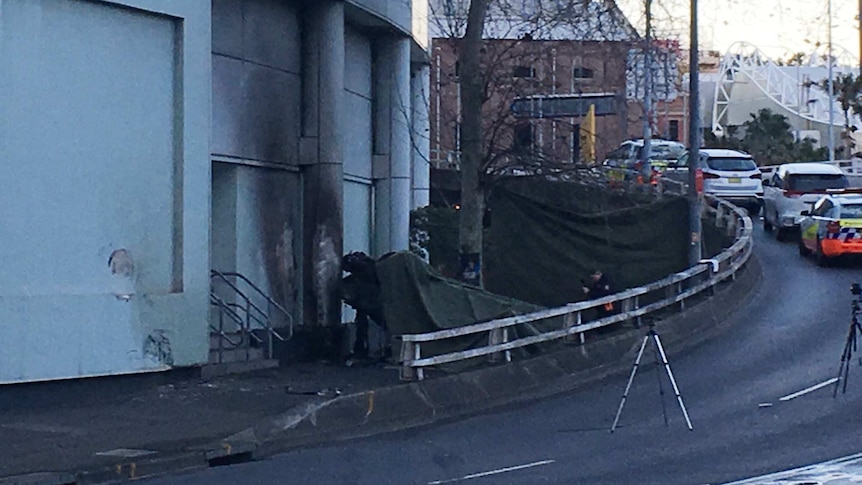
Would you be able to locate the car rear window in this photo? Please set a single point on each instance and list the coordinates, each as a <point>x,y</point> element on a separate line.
<point>813,182</point>
<point>853,211</point>
<point>728,164</point>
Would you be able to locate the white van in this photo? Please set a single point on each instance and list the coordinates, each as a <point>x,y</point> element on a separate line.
<point>793,188</point>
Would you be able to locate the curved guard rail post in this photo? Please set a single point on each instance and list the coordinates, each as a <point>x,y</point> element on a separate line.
<point>674,289</point>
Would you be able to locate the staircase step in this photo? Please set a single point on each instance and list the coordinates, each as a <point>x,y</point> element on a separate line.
<point>214,370</point>
<point>237,354</point>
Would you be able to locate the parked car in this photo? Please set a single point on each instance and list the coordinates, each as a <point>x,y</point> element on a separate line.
<point>792,189</point>
<point>833,227</point>
<point>628,161</point>
<point>731,175</point>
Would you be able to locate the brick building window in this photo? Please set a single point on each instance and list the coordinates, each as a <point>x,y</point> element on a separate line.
<point>523,138</point>
<point>673,130</point>
<point>582,73</point>
<point>524,72</point>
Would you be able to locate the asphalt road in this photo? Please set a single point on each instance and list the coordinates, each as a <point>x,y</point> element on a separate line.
<point>742,390</point>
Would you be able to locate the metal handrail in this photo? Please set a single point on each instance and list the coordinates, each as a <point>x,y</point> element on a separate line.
<point>262,319</point>
<point>260,322</point>
<point>223,310</point>
<point>677,287</point>
<point>271,301</point>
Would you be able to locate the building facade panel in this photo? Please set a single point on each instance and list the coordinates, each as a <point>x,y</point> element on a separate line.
<point>357,104</point>
<point>102,110</point>
<point>399,13</point>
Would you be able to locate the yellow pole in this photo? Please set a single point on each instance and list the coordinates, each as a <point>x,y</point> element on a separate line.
<point>588,136</point>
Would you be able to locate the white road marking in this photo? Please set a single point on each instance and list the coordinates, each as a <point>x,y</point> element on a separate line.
<point>492,472</point>
<point>810,389</point>
<point>765,405</point>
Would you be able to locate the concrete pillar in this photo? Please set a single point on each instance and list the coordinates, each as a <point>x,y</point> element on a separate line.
<point>392,145</point>
<point>322,150</point>
<point>420,86</point>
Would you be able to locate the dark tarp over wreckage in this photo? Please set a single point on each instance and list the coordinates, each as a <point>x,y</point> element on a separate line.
<point>544,237</point>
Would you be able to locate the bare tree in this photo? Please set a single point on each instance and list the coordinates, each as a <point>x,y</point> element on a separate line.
<point>499,45</point>
<point>472,195</point>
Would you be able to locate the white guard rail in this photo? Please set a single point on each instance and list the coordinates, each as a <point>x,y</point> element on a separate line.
<point>634,303</point>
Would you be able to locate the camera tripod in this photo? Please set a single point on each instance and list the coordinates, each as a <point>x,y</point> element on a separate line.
<point>847,354</point>
<point>658,353</point>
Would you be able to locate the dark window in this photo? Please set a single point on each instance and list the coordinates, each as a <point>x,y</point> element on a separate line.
<point>822,208</point>
<point>582,73</point>
<point>814,182</point>
<point>523,139</point>
<point>738,164</point>
<point>673,130</point>
<point>851,211</point>
<point>523,71</point>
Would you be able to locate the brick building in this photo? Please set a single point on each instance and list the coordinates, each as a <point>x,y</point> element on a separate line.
<point>523,68</point>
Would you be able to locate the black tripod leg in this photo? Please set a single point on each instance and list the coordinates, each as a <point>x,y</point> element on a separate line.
<point>857,329</point>
<point>629,384</point>
<point>658,378</point>
<point>844,367</point>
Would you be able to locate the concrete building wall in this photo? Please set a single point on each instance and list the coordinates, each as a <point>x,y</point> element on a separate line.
<point>103,130</point>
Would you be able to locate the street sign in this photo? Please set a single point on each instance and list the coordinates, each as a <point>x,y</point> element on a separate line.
<point>564,105</point>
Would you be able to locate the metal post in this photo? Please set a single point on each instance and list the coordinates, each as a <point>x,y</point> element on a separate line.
<point>694,202</point>
<point>647,50</point>
<point>831,128</point>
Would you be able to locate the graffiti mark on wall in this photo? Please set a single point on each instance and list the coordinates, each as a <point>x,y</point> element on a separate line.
<point>157,347</point>
<point>122,271</point>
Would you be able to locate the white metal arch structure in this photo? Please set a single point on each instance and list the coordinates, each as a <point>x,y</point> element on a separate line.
<point>842,57</point>
<point>747,61</point>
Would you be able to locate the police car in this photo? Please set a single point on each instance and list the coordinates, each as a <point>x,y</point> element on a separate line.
<point>833,227</point>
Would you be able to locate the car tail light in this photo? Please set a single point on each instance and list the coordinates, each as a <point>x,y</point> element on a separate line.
<point>833,227</point>
<point>709,175</point>
<point>792,194</point>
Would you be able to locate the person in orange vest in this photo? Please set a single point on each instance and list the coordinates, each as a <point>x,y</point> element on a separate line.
<point>600,285</point>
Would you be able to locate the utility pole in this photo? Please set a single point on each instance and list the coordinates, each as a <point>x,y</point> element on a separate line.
<point>830,128</point>
<point>647,149</point>
<point>694,202</point>
<point>859,19</point>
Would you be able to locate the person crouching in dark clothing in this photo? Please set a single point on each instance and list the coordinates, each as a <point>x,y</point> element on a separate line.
<point>361,290</point>
<point>599,286</point>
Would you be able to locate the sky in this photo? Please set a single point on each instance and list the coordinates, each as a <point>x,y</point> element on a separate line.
<point>778,27</point>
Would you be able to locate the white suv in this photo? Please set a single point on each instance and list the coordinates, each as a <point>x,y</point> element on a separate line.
<point>731,175</point>
<point>792,189</point>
